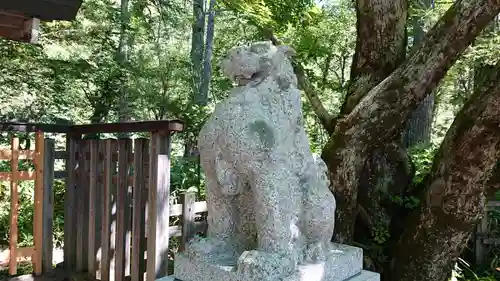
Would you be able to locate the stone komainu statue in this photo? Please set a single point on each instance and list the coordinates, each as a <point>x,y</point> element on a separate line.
<point>270,211</point>
<point>269,205</point>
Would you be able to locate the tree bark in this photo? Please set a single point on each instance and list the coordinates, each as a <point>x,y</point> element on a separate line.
<point>124,110</point>
<point>493,182</point>
<point>419,127</point>
<point>380,46</point>
<point>197,47</point>
<point>454,200</point>
<point>207,60</point>
<point>382,113</point>
<point>326,119</point>
<point>380,49</point>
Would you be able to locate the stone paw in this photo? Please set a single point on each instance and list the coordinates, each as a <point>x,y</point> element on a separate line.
<point>209,249</point>
<point>315,252</point>
<point>265,266</point>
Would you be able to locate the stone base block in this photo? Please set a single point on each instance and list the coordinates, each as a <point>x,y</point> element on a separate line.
<point>363,276</point>
<point>343,262</point>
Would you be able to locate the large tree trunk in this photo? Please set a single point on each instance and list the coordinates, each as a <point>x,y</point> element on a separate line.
<point>380,46</point>
<point>124,110</point>
<point>386,173</point>
<point>454,200</point>
<point>419,127</point>
<point>207,59</point>
<point>381,114</point>
<point>197,47</point>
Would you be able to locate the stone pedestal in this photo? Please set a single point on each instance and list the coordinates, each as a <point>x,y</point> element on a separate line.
<point>343,263</point>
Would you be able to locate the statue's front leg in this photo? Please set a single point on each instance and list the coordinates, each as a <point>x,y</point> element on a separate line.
<point>318,218</point>
<point>222,242</point>
<point>227,177</point>
<point>277,206</point>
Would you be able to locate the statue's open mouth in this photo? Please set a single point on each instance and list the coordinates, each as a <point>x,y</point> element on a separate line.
<point>242,80</point>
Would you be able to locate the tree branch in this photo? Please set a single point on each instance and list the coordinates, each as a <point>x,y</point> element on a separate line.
<point>380,46</point>
<point>326,119</point>
<point>454,201</point>
<point>387,106</point>
<point>382,113</point>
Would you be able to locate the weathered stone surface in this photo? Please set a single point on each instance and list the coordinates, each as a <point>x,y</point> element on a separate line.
<point>366,276</point>
<point>270,210</point>
<point>363,276</point>
<point>341,263</point>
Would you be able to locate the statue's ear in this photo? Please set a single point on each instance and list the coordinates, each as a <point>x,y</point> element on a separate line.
<point>287,50</point>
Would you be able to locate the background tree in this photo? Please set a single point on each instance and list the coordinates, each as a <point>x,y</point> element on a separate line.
<point>362,74</point>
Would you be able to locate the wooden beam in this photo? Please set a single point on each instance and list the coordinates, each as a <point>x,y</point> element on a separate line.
<point>47,10</point>
<point>33,127</point>
<point>138,266</point>
<point>126,127</point>
<point>19,27</point>
<point>158,198</point>
<point>38,214</point>
<point>70,203</point>
<point>31,30</point>
<point>197,207</point>
<point>188,216</point>
<point>14,202</point>
<point>129,127</point>
<point>122,211</point>
<point>21,254</point>
<point>21,176</point>
<point>48,205</point>
<point>23,154</point>
<point>93,188</point>
<point>108,167</point>
<point>82,186</point>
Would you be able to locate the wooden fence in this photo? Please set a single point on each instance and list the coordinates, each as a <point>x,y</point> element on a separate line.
<point>14,155</point>
<point>116,200</point>
<point>483,238</point>
<point>115,174</point>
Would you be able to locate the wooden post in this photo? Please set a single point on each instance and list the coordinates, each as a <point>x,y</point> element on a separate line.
<point>82,233</point>
<point>38,213</point>
<point>122,213</point>
<point>70,202</point>
<point>139,195</point>
<point>106,209</point>
<point>93,174</point>
<point>99,207</point>
<point>48,205</point>
<point>188,214</point>
<point>158,206</point>
<point>14,202</point>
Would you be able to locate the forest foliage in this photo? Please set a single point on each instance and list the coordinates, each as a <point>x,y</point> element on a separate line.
<point>81,71</point>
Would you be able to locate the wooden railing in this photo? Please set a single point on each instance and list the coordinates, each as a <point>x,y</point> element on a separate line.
<point>114,174</point>
<point>116,199</point>
<point>483,237</point>
<point>14,176</point>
